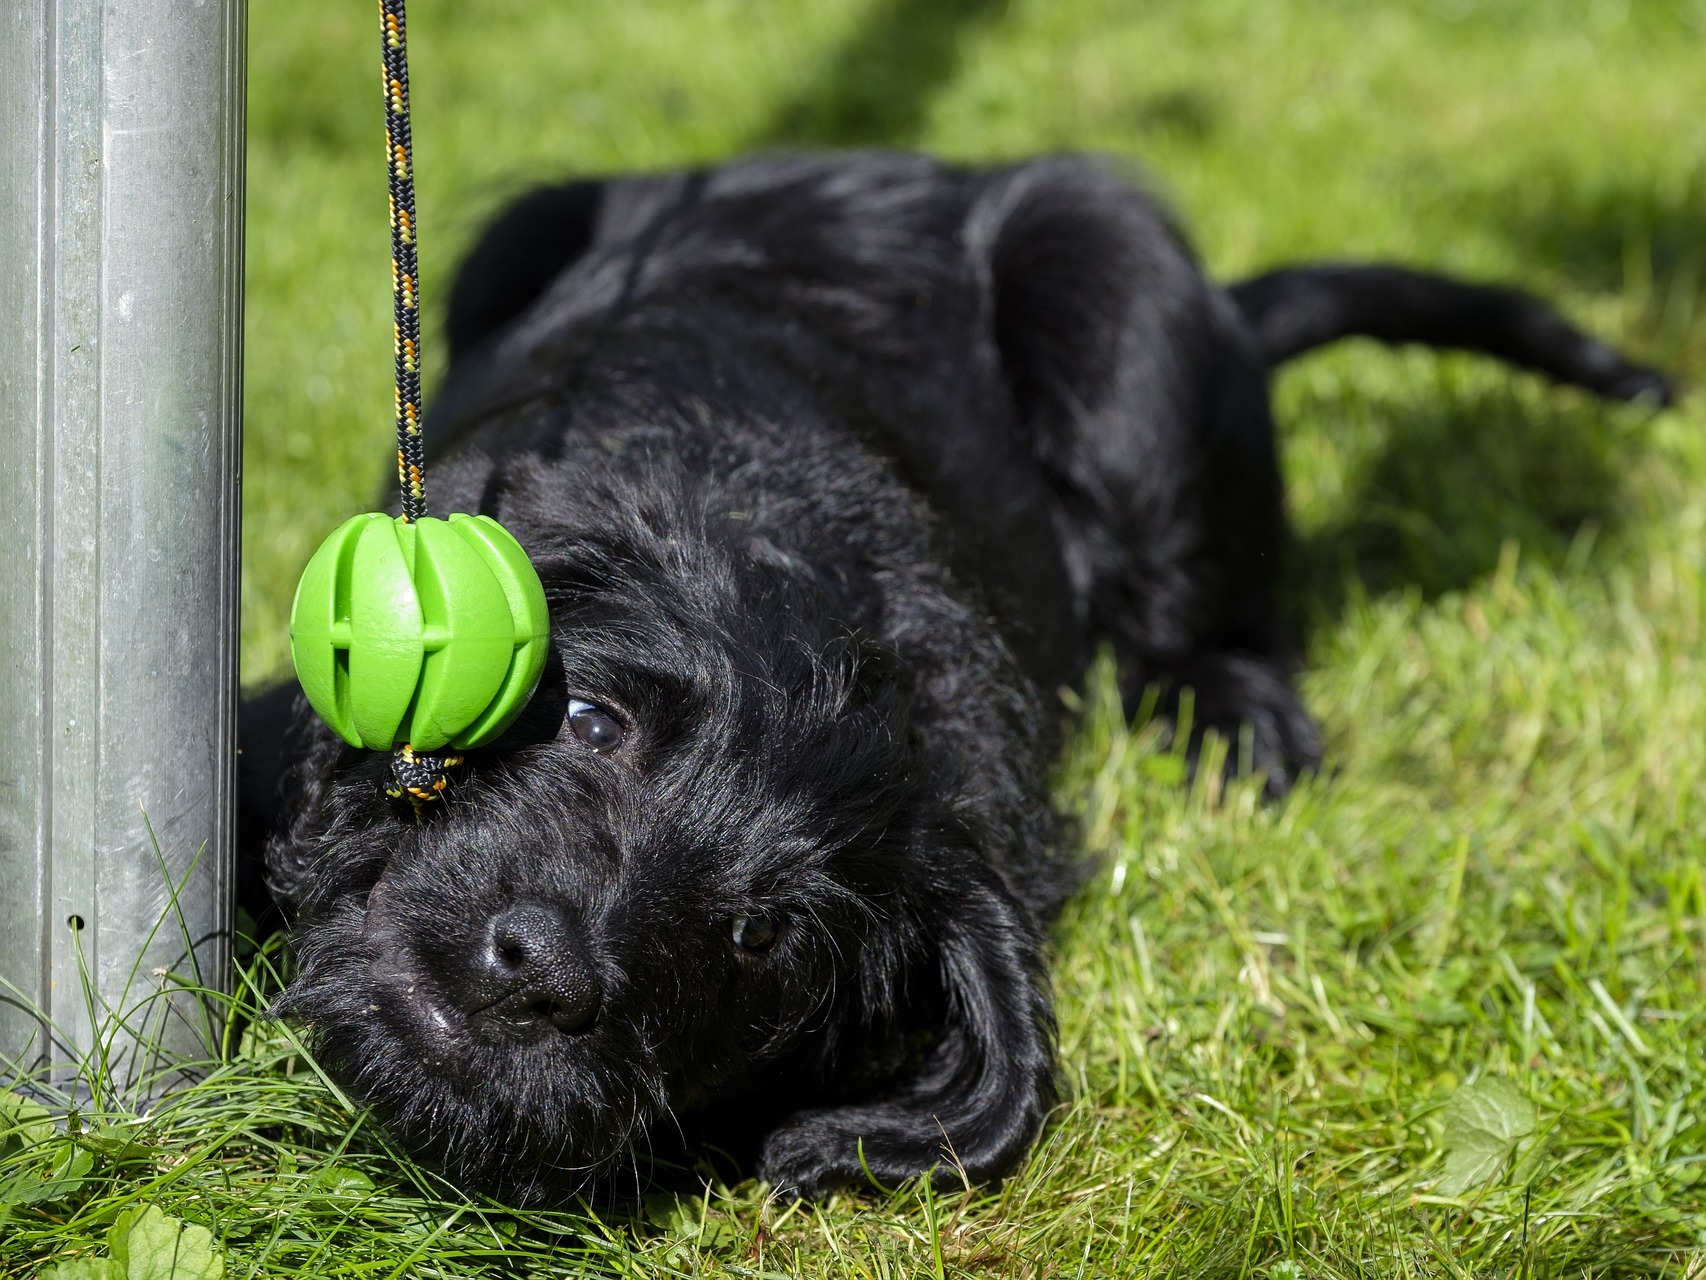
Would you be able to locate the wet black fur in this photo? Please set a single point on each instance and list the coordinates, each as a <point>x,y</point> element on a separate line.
<point>835,470</point>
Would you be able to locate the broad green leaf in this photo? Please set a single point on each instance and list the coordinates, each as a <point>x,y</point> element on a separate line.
<point>1484,1122</point>
<point>116,1142</point>
<point>23,1122</point>
<point>151,1245</point>
<point>52,1171</point>
<point>677,1215</point>
<point>84,1269</point>
<point>685,1217</point>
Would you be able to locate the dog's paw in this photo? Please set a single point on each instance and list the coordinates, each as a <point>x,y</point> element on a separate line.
<point>808,1157</point>
<point>816,1152</point>
<point>1251,703</point>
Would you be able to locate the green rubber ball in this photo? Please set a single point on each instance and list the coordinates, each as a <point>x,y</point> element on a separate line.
<point>429,632</point>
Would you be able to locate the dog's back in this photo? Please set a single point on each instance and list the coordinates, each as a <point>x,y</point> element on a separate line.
<point>963,324</point>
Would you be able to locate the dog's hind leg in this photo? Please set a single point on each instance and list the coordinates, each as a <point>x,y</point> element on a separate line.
<point>1146,403</point>
<point>1232,673</point>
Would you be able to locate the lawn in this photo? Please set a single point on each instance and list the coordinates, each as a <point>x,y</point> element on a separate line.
<point>1442,1012</point>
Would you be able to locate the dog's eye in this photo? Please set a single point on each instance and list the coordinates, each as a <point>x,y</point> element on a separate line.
<point>755,933</point>
<point>594,725</point>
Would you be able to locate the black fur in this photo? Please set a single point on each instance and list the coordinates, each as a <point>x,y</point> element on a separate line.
<point>835,470</point>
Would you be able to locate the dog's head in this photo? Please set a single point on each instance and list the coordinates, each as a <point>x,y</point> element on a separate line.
<point>711,856</point>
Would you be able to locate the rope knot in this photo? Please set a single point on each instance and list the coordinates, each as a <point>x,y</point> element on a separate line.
<point>421,777</point>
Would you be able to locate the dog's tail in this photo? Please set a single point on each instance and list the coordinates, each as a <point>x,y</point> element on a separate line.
<point>1297,309</point>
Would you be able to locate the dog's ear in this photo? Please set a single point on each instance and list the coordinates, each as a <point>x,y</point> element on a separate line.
<point>319,762</point>
<point>977,1101</point>
<point>265,738</point>
<point>517,256</point>
<point>286,852</point>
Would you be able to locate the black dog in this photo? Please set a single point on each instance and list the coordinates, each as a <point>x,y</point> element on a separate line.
<point>835,470</point>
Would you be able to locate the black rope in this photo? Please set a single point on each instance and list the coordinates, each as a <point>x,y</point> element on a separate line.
<point>405,280</point>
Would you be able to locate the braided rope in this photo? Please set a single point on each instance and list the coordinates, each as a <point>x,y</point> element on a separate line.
<point>405,280</point>
<point>419,777</point>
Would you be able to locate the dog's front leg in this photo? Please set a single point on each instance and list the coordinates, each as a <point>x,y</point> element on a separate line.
<point>979,1098</point>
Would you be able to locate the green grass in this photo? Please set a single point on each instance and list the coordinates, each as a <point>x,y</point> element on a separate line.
<point>1266,1011</point>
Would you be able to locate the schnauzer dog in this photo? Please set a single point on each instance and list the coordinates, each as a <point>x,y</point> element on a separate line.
<point>836,469</point>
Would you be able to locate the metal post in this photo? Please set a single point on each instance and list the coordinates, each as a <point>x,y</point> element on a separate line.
<point>121,272</point>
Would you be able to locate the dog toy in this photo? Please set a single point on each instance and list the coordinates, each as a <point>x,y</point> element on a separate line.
<point>410,634</point>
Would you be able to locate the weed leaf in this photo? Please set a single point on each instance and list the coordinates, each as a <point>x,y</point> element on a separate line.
<point>23,1123</point>
<point>52,1172</point>
<point>116,1142</point>
<point>150,1245</point>
<point>1484,1122</point>
<point>85,1269</point>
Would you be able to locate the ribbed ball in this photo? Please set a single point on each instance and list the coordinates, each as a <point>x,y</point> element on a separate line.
<point>429,632</point>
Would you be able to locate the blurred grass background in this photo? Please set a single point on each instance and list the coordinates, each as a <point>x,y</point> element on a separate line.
<point>1267,1011</point>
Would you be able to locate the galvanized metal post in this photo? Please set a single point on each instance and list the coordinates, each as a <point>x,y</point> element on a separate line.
<point>121,272</point>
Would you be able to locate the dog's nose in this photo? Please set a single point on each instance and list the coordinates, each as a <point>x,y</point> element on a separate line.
<point>531,972</point>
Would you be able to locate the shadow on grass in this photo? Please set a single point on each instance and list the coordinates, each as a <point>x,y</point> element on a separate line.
<point>1471,465</point>
<point>1641,235</point>
<point>1457,478</point>
<point>1607,235</point>
<point>876,88</point>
